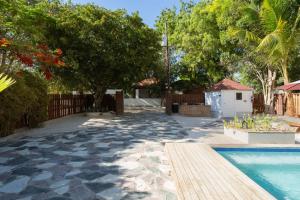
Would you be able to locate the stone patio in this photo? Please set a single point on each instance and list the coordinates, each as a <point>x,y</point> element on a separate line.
<point>119,158</point>
<point>106,158</point>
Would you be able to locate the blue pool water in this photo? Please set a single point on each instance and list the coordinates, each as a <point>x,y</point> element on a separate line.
<point>277,170</point>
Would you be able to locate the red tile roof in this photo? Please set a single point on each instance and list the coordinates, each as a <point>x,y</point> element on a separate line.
<point>228,84</point>
<point>147,82</point>
<point>291,86</point>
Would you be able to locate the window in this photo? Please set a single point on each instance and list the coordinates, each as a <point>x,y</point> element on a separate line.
<point>239,96</point>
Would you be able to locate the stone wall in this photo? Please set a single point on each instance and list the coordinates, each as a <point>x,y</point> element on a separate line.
<point>195,110</point>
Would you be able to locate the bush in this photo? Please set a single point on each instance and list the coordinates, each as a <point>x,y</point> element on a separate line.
<point>26,100</point>
<point>259,122</point>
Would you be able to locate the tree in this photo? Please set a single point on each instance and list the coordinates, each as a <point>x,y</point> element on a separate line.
<point>280,21</point>
<point>104,49</point>
<point>199,35</point>
<point>22,39</point>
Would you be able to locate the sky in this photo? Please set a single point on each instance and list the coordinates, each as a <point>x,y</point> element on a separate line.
<point>148,9</point>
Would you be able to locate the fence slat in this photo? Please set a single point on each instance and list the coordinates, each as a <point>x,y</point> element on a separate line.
<point>63,105</point>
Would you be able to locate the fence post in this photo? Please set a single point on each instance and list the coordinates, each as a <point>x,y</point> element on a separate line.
<point>119,103</point>
<point>168,103</point>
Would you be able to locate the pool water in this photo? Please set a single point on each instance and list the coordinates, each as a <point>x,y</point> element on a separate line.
<point>277,170</point>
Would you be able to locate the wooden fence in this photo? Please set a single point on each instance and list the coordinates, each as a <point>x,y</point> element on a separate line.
<point>287,104</point>
<point>68,104</point>
<point>191,99</point>
<point>258,103</point>
<point>61,105</point>
<point>284,104</point>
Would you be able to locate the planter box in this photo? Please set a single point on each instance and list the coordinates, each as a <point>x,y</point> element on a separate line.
<point>195,110</point>
<point>259,137</point>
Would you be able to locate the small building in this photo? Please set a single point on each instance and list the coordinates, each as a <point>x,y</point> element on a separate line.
<point>228,98</point>
<point>147,88</point>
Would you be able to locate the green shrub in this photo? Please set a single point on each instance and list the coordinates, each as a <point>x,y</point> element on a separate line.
<point>26,99</point>
<point>259,122</point>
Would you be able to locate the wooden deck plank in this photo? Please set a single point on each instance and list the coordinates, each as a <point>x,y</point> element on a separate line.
<point>201,173</point>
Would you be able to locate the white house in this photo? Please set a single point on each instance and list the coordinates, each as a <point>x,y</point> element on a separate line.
<point>229,98</point>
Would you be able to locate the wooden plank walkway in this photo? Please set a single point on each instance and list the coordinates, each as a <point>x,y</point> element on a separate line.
<point>201,173</point>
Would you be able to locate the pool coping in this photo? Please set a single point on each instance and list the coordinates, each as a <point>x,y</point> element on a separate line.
<point>201,173</point>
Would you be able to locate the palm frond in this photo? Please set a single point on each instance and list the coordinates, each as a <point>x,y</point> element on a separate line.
<point>244,35</point>
<point>252,12</point>
<point>268,16</point>
<point>5,82</point>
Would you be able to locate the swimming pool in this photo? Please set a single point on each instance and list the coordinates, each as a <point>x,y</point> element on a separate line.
<point>277,170</point>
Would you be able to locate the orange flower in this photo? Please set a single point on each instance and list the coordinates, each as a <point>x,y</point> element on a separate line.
<point>58,52</point>
<point>25,59</point>
<point>4,42</point>
<point>61,63</point>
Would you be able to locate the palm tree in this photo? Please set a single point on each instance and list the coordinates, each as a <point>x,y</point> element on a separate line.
<point>5,82</point>
<point>281,23</point>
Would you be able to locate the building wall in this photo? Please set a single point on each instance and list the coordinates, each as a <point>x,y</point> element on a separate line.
<point>213,99</point>
<point>232,107</point>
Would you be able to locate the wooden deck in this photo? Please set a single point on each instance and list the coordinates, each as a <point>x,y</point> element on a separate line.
<point>201,173</point>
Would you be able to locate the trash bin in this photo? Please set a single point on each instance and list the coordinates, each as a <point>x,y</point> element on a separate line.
<point>175,107</point>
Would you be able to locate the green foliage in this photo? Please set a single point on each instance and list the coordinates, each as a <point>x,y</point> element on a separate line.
<point>28,96</point>
<point>104,49</point>
<point>5,82</point>
<point>235,38</point>
<point>258,123</point>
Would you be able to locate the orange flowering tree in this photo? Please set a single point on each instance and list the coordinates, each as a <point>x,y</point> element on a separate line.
<point>15,57</point>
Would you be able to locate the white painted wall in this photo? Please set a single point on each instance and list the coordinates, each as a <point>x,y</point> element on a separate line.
<point>213,99</point>
<point>232,107</point>
<point>224,104</point>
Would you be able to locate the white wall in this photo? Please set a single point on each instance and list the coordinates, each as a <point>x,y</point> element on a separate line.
<point>213,99</point>
<point>232,107</point>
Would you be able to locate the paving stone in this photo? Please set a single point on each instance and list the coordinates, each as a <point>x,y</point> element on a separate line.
<point>31,190</point>
<point>114,193</point>
<point>15,186</point>
<point>17,160</point>
<point>109,178</point>
<point>76,164</point>
<point>62,190</point>
<point>81,193</point>
<point>45,146</point>
<point>60,184</point>
<point>26,198</point>
<point>80,153</point>
<point>43,176</point>
<point>73,173</point>
<point>62,153</point>
<point>5,169</point>
<point>98,187</point>
<point>90,175</point>
<point>46,165</point>
<point>102,145</point>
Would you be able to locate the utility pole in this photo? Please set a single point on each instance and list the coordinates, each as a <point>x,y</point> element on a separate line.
<point>165,44</point>
<point>167,57</point>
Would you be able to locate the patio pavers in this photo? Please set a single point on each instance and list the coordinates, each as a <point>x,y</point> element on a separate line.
<point>122,159</point>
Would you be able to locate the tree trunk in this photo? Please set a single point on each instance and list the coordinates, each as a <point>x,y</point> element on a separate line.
<point>285,73</point>
<point>269,88</point>
<point>100,92</point>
